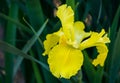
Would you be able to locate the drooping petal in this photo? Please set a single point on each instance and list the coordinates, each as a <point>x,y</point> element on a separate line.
<point>65,61</point>
<point>95,38</point>
<point>51,41</point>
<point>66,16</point>
<point>102,50</point>
<point>79,34</point>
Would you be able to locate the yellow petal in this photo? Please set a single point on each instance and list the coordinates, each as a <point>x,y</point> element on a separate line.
<point>65,61</point>
<point>79,34</point>
<point>104,39</point>
<point>51,41</point>
<point>66,16</point>
<point>95,38</point>
<point>63,40</point>
<point>79,26</point>
<point>102,50</point>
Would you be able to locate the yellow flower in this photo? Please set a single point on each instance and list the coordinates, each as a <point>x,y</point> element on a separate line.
<point>64,47</point>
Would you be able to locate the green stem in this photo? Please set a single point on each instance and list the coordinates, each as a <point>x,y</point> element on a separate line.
<point>10,38</point>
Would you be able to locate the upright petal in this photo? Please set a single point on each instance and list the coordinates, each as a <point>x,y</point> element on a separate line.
<point>79,34</point>
<point>66,16</point>
<point>65,61</point>
<point>51,41</point>
<point>102,50</point>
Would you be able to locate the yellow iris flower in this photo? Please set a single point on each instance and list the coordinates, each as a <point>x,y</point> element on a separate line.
<point>64,47</point>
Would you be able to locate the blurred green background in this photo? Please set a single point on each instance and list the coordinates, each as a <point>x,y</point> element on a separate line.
<point>24,25</point>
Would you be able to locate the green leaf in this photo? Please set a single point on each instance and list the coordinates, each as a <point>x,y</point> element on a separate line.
<point>15,22</point>
<point>113,28</point>
<point>10,37</point>
<point>98,75</point>
<point>35,13</point>
<point>13,50</point>
<point>94,74</point>
<point>113,34</point>
<point>36,70</point>
<point>28,46</point>
<point>115,60</point>
<point>40,41</point>
<point>88,67</point>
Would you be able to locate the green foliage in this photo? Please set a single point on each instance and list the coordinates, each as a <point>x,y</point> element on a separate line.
<point>114,49</point>
<point>25,28</point>
<point>115,62</point>
<point>10,37</point>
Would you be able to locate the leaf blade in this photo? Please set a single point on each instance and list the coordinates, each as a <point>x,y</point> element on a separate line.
<point>28,45</point>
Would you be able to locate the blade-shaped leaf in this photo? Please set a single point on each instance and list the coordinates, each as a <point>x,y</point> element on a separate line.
<point>10,37</point>
<point>36,70</point>
<point>40,41</point>
<point>28,46</point>
<point>113,34</point>
<point>115,60</point>
<point>88,67</point>
<point>35,12</point>
<point>23,27</point>
<point>113,28</point>
<point>11,49</point>
<point>94,75</point>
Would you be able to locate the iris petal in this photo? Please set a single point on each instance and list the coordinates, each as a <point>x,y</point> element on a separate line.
<point>66,15</point>
<point>95,38</point>
<point>98,40</point>
<point>102,50</point>
<point>51,41</point>
<point>65,61</point>
<point>79,32</point>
